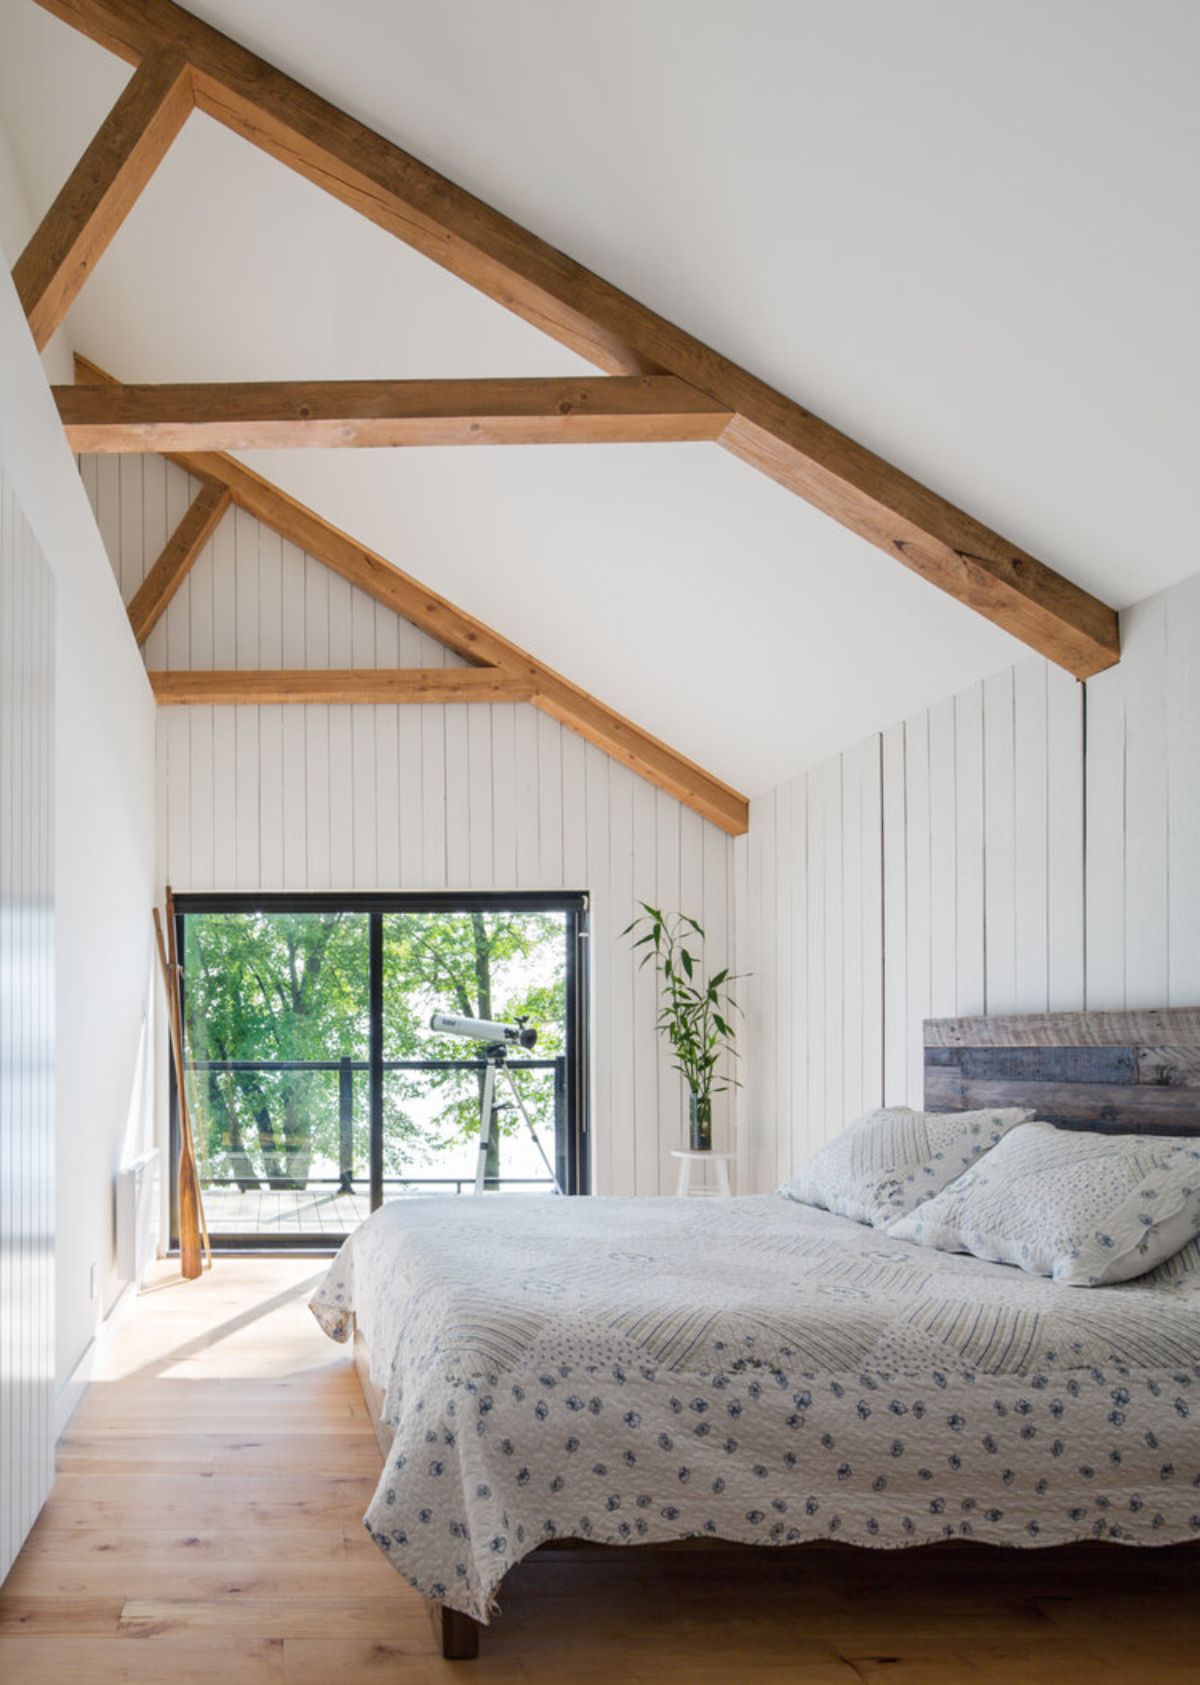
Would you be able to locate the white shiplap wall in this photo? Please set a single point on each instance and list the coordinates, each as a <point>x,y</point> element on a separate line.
<point>414,797</point>
<point>26,1028</point>
<point>1143,810</point>
<point>1029,844</point>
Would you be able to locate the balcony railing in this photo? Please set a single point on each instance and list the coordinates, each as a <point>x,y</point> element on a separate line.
<point>347,1180</point>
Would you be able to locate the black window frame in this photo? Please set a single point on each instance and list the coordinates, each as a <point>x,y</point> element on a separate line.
<point>575,1164</point>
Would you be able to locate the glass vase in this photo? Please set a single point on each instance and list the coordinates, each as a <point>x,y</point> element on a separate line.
<point>700,1122</point>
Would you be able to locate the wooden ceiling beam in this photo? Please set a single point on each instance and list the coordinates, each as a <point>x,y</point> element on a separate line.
<point>775,435</point>
<point>280,415</point>
<point>340,684</point>
<point>102,189</point>
<point>149,602</point>
<point>644,754</point>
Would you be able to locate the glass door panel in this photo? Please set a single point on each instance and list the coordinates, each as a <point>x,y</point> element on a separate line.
<point>277,1035</point>
<point>483,964</point>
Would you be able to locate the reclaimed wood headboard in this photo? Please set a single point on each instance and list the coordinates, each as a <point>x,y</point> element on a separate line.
<point>1115,1071</point>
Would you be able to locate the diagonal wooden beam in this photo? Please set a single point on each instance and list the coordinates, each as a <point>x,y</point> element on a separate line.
<point>341,684</point>
<point>780,438</point>
<point>150,600</point>
<point>275,415</point>
<point>642,753</point>
<point>102,189</point>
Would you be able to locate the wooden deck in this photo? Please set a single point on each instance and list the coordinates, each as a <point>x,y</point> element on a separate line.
<point>268,1211</point>
<point>206,1526</point>
<point>320,1211</point>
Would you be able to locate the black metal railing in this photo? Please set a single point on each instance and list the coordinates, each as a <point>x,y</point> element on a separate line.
<point>346,1069</point>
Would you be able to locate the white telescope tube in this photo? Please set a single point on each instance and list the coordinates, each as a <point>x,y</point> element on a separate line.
<point>482,1029</point>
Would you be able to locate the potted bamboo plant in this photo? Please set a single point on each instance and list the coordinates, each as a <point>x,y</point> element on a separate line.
<point>694,1012</point>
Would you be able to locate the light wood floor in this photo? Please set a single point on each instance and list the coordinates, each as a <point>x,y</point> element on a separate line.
<point>205,1527</point>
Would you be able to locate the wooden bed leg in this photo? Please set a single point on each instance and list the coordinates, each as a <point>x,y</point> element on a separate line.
<point>460,1636</point>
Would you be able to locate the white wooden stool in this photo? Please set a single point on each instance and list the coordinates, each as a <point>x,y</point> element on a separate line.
<point>687,1158</point>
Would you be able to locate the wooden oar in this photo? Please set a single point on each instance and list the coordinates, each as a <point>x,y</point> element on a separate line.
<point>185,1112</point>
<point>189,1182</point>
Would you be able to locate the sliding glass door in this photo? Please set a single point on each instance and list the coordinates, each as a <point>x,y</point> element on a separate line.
<point>316,1087</point>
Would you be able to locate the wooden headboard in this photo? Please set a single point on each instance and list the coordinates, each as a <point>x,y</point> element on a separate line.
<point>1116,1071</point>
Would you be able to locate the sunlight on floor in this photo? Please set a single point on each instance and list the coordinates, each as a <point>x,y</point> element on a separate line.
<point>246,1319</point>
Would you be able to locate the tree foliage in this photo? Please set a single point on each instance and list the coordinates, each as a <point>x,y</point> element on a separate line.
<point>266,988</point>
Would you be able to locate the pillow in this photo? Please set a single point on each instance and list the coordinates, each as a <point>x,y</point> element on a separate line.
<point>1084,1208</point>
<point>888,1161</point>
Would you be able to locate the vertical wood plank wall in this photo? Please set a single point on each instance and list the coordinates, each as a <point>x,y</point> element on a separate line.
<point>26,1028</point>
<point>414,797</point>
<point>1143,810</point>
<point>1021,846</point>
<point>1014,847</point>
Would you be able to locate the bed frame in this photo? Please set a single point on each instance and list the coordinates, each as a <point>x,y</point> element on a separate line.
<point>1116,1072</point>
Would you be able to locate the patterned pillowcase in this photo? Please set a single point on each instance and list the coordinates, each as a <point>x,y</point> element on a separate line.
<point>1084,1208</point>
<point>890,1160</point>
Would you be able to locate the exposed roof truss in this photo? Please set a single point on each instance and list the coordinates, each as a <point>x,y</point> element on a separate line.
<point>499,671</point>
<point>494,254</point>
<point>662,384</point>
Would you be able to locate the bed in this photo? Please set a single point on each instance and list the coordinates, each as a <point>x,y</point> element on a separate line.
<point>631,1372</point>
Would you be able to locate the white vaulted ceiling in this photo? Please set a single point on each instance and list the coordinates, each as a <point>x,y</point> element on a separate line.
<point>964,234</point>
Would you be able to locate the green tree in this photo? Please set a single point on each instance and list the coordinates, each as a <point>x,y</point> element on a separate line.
<point>263,988</point>
<point>480,965</point>
<point>267,988</point>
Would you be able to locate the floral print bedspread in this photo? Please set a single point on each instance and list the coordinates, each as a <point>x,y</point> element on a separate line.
<point>628,1370</point>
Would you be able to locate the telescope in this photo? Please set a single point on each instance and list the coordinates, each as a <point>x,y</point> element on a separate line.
<point>499,1038</point>
<point>483,1029</point>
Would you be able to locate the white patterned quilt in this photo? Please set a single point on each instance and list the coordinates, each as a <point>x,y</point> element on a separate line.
<point>627,1370</point>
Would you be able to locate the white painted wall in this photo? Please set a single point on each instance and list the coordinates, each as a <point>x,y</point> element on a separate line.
<point>1029,844</point>
<point>26,1027</point>
<point>104,850</point>
<point>414,797</point>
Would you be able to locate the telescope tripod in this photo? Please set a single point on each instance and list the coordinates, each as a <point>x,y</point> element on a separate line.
<point>496,1054</point>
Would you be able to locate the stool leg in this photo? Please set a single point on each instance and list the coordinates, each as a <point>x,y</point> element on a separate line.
<point>684,1179</point>
<point>723,1177</point>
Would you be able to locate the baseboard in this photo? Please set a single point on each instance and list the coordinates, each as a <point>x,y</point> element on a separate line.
<point>69,1396</point>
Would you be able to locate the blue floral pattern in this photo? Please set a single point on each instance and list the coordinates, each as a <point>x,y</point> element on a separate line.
<point>750,1369</point>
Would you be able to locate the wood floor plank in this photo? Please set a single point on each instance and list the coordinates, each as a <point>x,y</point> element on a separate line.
<point>49,1614</point>
<point>206,1504</point>
<point>347,1661</point>
<point>27,1660</point>
<point>388,1616</point>
<point>154,1546</point>
<point>917,1670</point>
<point>338,1579</point>
<point>116,1462</point>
